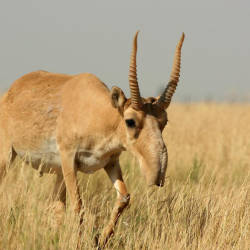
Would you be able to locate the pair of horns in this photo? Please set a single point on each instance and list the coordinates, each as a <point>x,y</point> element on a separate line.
<point>165,98</point>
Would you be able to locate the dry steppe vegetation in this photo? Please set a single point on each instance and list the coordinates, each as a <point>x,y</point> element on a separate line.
<point>205,203</point>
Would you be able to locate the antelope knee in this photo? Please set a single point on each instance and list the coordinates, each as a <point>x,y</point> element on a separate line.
<point>124,201</point>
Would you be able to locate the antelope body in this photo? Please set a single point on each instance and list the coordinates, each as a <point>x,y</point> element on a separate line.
<point>63,124</point>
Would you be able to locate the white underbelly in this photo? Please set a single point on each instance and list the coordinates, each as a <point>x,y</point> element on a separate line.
<point>48,159</point>
<point>89,162</point>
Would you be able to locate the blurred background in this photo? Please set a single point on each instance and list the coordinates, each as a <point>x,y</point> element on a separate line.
<point>96,37</point>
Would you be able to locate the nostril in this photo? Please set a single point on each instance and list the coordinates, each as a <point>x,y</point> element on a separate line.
<point>160,180</point>
<point>159,184</point>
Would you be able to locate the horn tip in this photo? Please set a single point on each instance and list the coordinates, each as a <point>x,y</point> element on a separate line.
<point>136,34</point>
<point>182,36</point>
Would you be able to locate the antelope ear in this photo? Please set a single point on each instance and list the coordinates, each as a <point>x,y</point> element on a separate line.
<point>118,98</point>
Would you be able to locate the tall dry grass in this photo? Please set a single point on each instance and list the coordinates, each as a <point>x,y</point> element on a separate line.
<point>205,203</point>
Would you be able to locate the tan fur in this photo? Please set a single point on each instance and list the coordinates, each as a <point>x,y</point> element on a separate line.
<point>63,124</point>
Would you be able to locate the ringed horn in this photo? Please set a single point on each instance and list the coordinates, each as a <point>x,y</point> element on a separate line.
<point>133,83</point>
<point>167,94</point>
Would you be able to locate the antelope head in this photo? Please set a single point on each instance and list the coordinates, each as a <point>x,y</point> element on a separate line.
<point>144,119</point>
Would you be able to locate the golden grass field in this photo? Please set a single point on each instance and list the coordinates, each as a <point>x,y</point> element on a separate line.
<point>205,203</point>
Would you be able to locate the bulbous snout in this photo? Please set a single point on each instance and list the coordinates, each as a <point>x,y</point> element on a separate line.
<point>158,182</point>
<point>155,174</point>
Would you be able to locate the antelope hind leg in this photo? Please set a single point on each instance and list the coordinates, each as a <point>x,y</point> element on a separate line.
<point>7,156</point>
<point>59,199</point>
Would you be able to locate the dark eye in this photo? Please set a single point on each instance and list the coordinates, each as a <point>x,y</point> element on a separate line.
<point>130,123</point>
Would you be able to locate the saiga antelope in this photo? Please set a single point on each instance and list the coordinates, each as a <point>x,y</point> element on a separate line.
<point>59,124</point>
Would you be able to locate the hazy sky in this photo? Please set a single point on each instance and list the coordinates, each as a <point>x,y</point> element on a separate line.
<point>96,36</point>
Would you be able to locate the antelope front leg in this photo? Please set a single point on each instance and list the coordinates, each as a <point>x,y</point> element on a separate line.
<point>70,179</point>
<point>114,172</point>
